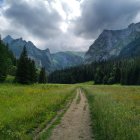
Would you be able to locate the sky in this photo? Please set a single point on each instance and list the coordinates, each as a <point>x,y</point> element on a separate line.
<point>65,25</point>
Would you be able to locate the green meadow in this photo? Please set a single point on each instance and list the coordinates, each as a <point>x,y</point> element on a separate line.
<point>115,112</point>
<point>23,109</point>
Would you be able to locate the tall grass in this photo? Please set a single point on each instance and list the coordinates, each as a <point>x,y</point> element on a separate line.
<point>115,112</point>
<point>24,108</point>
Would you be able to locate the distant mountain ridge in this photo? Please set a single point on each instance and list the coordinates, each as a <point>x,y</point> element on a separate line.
<point>44,58</point>
<point>113,43</point>
<point>68,58</point>
<point>110,44</point>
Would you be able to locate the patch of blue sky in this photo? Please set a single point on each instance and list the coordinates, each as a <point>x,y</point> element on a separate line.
<point>1,1</point>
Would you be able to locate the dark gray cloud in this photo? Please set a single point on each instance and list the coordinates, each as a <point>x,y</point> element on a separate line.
<point>98,15</point>
<point>39,20</point>
<point>57,24</point>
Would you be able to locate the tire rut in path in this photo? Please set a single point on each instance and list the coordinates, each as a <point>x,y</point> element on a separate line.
<point>76,123</point>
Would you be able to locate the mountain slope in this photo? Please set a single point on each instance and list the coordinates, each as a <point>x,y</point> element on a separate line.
<point>69,59</point>
<point>131,50</point>
<point>111,42</point>
<point>41,57</point>
<point>44,58</point>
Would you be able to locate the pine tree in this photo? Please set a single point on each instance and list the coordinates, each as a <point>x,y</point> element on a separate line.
<point>32,70</point>
<point>22,74</point>
<point>26,70</point>
<point>3,64</point>
<point>118,75</point>
<point>42,76</point>
<point>98,76</point>
<point>0,40</point>
<point>5,61</point>
<point>112,75</point>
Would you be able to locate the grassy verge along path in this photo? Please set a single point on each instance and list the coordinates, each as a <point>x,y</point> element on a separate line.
<point>115,112</point>
<point>23,109</point>
<point>45,133</point>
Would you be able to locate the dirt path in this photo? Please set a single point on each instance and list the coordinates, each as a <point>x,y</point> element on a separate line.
<point>75,124</point>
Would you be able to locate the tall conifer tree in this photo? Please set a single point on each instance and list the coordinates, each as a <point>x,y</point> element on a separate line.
<point>26,71</point>
<point>22,74</point>
<point>33,74</point>
<point>3,64</point>
<point>42,76</point>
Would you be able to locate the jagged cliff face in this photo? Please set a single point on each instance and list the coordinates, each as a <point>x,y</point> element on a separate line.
<point>44,58</point>
<point>41,57</point>
<point>111,42</point>
<point>131,50</point>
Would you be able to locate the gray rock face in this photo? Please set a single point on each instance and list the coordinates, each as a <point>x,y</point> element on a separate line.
<point>110,43</point>
<point>131,50</point>
<point>63,60</point>
<point>44,58</point>
<point>41,57</point>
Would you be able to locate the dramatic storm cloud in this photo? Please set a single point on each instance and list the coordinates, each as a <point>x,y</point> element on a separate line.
<point>65,24</point>
<point>40,19</point>
<point>98,15</point>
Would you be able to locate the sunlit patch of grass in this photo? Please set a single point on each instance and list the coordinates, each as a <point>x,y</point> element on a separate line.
<point>9,79</point>
<point>24,108</point>
<point>86,83</point>
<point>115,112</point>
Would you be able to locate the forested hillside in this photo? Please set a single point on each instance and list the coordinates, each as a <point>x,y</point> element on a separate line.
<point>7,62</point>
<point>124,71</point>
<point>22,70</point>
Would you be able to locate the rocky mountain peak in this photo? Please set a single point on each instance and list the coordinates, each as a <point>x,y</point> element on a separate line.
<point>40,58</point>
<point>8,39</point>
<point>47,50</point>
<point>110,43</point>
<point>134,27</point>
<point>43,58</point>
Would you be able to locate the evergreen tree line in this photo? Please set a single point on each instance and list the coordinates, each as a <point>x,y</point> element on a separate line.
<point>72,75</point>
<point>124,71</point>
<point>7,61</point>
<point>24,69</point>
